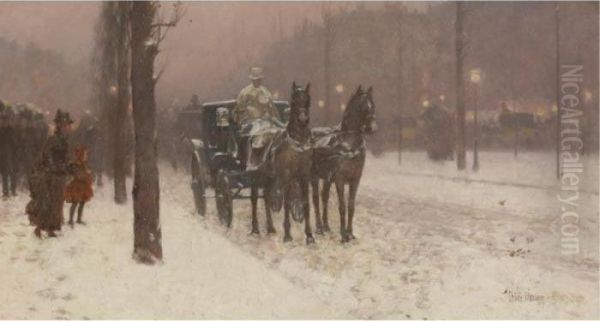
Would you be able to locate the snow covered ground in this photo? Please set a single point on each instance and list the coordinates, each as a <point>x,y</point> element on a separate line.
<point>88,272</point>
<point>432,243</point>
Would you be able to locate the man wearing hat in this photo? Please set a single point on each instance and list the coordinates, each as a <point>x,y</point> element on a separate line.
<point>253,103</point>
<point>255,100</point>
<point>49,179</point>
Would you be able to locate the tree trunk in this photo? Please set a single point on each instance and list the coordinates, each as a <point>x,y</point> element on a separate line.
<point>460,90</point>
<point>123,99</point>
<point>147,230</point>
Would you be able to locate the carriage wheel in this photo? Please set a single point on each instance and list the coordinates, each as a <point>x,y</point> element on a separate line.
<point>224,198</point>
<point>198,184</point>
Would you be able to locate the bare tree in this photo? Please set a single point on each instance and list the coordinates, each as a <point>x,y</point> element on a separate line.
<point>147,32</point>
<point>460,88</point>
<point>121,116</point>
<point>112,66</point>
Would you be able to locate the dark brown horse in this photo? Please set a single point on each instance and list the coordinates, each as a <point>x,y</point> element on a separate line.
<point>292,160</point>
<point>339,157</point>
<point>287,167</point>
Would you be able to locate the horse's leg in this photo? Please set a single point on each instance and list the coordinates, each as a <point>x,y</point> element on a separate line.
<point>306,207</point>
<point>315,199</point>
<point>286,219</point>
<point>325,200</point>
<point>254,200</point>
<point>351,200</point>
<point>339,187</point>
<point>267,198</point>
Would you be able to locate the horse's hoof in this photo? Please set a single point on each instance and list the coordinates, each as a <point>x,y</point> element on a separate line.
<point>326,228</point>
<point>351,236</point>
<point>319,231</point>
<point>271,230</point>
<point>345,238</point>
<point>287,238</point>
<point>254,232</point>
<point>310,240</point>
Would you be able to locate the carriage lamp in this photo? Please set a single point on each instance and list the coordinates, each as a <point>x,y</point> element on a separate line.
<point>442,98</point>
<point>425,103</point>
<point>343,107</point>
<point>222,117</point>
<point>339,88</point>
<point>321,103</point>
<point>554,108</point>
<point>112,90</point>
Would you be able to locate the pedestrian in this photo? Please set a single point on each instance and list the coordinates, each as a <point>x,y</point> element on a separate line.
<point>79,190</point>
<point>8,150</point>
<point>47,182</point>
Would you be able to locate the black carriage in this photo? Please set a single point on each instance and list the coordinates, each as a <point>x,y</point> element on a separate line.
<point>214,161</point>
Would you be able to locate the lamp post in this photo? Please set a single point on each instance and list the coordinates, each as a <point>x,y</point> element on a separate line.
<point>475,77</point>
<point>339,89</point>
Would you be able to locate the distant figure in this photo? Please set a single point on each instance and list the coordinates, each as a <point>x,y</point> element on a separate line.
<point>439,132</point>
<point>79,190</point>
<point>8,150</point>
<point>26,137</point>
<point>48,178</point>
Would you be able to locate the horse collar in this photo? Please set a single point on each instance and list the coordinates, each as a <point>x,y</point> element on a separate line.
<point>297,145</point>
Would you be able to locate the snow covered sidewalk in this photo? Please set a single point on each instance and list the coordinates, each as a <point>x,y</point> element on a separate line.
<point>88,272</point>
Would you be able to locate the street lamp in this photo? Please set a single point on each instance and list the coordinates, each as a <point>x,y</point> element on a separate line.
<point>339,89</point>
<point>587,95</point>
<point>475,77</point>
<point>321,103</point>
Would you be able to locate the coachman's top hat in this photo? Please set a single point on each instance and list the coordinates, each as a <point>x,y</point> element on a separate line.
<point>62,118</point>
<point>256,73</point>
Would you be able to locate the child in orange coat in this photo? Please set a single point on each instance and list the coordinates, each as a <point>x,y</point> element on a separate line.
<point>79,190</point>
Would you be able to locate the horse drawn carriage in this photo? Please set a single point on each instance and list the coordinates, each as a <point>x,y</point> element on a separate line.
<point>214,161</point>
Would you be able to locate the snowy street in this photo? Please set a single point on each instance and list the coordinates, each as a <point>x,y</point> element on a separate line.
<point>431,243</point>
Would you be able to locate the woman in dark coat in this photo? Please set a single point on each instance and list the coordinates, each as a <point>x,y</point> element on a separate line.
<point>49,178</point>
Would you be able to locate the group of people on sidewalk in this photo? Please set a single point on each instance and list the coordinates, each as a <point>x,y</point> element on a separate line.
<point>56,178</point>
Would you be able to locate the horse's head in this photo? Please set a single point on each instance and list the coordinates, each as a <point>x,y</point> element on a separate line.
<point>360,113</point>
<point>300,105</point>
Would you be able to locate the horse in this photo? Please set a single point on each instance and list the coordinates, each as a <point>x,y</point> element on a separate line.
<point>290,162</point>
<point>339,157</point>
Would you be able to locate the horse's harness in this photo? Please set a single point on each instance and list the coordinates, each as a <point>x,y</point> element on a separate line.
<point>297,145</point>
